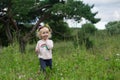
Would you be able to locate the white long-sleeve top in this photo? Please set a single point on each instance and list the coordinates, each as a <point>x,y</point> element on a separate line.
<point>44,49</point>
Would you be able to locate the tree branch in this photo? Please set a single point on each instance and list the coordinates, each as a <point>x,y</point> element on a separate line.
<point>27,36</point>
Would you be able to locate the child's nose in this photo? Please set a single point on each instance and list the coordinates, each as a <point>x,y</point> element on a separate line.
<point>46,34</point>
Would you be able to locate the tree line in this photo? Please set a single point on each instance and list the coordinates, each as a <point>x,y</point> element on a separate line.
<point>16,17</point>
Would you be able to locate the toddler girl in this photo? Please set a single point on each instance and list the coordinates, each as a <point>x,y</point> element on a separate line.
<point>44,47</point>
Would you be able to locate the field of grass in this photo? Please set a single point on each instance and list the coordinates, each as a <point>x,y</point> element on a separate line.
<point>100,63</point>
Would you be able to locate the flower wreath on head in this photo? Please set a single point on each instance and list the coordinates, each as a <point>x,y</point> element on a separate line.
<point>39,27</point>
<point>46,25</point>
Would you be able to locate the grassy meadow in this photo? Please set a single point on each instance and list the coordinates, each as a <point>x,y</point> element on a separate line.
<point>102,62</point>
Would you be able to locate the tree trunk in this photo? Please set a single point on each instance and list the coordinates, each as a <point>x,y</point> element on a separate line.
<point>8,33</point>
<point>22,45</point>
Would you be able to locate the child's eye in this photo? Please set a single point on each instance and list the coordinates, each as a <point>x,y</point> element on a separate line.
<point>43,32</point>
<point>46,32</point>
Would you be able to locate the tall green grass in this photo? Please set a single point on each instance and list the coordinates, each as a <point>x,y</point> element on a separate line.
<point>69,63</point>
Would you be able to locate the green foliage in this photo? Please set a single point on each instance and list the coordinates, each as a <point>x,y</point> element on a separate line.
<point>75,10</point>
<point>28,10</point>
<point>24,11</point>
<point>60,29</point>
<point>83,36</point>
<point>113,27</point>
<point>89,28</point>
<point>21,8</point>
<point>82,39</point>
<point>68,63</point>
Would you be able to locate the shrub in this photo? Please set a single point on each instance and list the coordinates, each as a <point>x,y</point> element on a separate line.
<point>83,35</point>
<point>113,27</point>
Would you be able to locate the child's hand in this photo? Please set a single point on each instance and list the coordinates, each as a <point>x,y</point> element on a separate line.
<point>45,37</point>
<point>36,51</point>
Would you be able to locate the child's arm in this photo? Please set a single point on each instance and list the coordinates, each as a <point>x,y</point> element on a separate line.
<point>37,49</point>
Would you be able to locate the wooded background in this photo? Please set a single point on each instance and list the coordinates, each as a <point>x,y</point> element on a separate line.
<point>17,16</point>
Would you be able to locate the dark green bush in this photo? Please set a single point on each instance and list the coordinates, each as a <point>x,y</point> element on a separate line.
<point>83,36</point>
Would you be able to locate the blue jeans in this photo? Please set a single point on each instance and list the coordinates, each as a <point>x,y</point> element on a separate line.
<point>45,63</point>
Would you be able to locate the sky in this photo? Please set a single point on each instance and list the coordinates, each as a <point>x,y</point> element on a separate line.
<point>108,10</point>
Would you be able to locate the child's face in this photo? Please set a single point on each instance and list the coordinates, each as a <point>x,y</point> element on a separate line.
<point>44,33</point>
